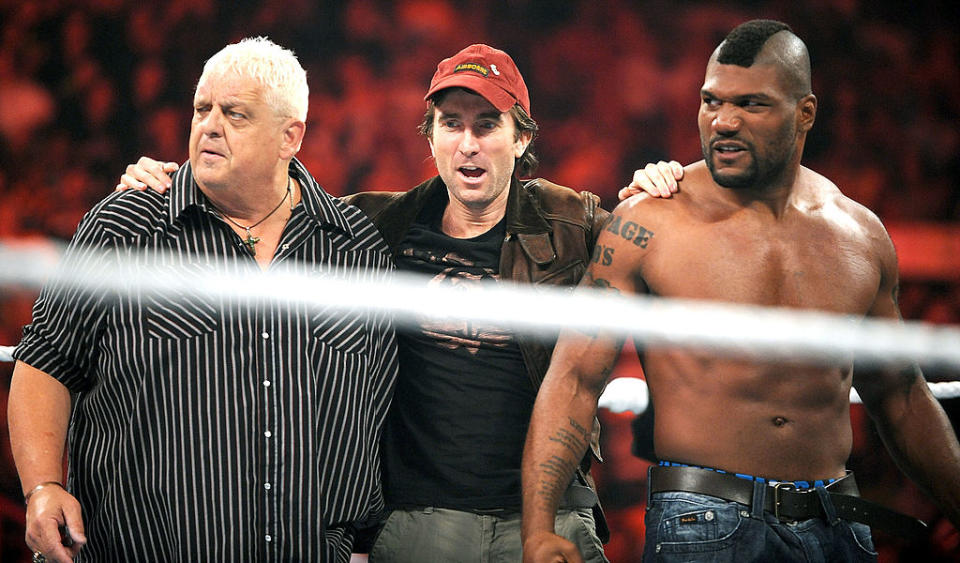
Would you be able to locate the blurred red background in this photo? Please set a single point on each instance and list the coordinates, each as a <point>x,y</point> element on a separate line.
<point>87,86</point>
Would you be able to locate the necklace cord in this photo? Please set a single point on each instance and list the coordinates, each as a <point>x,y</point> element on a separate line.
<point>251,240</point>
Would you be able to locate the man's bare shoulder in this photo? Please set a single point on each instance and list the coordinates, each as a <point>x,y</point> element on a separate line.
<point>694,187</point>
<point>841,211</point>
<point>637,224</point>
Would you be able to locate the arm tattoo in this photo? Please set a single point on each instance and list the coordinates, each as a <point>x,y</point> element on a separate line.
<point>584,433</point>
<point>630,231</point>
<point>602,255</point>
<point>598,283</point>
<point>601,283</point>
<point>558,470</point>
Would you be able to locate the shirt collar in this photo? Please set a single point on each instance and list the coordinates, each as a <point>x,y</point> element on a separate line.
<point>318,204</point>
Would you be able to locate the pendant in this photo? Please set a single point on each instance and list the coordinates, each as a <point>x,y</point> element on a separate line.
<point>250,243</point>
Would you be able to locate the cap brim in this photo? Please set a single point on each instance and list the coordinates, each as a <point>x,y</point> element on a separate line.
<point>497,96</point>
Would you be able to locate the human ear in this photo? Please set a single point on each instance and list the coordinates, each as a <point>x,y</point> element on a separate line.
<point>292,138</point>
<point>807,112</point>
<point>523,141</point>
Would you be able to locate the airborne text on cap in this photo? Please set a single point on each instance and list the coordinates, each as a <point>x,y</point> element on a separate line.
<point>479,69</point>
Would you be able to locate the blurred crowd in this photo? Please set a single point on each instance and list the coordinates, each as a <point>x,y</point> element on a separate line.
<point>87,86</point>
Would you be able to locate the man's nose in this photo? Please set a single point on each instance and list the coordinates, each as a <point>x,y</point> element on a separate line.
<point>727,118</point>
<point>212,123</point>
<point>469,144</point>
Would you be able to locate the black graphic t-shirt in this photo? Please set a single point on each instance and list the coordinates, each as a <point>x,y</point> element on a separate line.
<point>455,434</point>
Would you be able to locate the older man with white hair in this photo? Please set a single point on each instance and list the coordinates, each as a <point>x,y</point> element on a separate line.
<point>208,428</point>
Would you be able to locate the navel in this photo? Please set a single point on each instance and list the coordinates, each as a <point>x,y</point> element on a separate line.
<point>779,421</point>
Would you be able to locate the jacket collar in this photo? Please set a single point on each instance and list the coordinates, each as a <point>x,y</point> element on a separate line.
<point>523,213</point>
<point>526,222</point>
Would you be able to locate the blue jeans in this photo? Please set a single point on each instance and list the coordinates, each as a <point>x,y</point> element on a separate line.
<point>693,527</point>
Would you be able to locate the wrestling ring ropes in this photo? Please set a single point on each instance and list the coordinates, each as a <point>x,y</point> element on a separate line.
<point>771,333</point>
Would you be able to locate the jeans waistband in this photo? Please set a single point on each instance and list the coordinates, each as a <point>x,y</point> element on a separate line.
<point>798,484</point>
<point>838,500</point>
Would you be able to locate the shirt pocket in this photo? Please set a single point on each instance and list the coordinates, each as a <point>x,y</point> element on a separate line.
<point>179,312</point>
<point>179,317</point>
<point>346,331</point>
<point>568,274</point>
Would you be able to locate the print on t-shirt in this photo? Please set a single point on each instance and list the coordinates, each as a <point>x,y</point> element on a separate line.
<point>464,275</point>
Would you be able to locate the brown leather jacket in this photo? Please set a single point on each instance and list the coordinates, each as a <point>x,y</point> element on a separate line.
<point>551,232</point>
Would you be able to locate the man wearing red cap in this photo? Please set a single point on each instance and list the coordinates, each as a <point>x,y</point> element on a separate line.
<point>454,436</point>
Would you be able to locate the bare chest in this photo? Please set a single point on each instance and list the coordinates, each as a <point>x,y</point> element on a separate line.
<point>806,265</point>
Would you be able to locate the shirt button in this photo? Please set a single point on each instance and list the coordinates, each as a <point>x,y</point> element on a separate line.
<point>268,433</point>
<point>266,486</point>
<point>285,247</point>
<point>268,538</point>
<point>266,383</point>
<point>265,335</point>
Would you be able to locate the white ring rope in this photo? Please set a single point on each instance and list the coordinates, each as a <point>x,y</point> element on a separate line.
<point>769,333</point>
<point>625,394</point>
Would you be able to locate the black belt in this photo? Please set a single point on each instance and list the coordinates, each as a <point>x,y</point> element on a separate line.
<point>784,500</point>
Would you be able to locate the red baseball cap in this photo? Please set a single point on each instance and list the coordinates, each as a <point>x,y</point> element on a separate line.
<point>487,71</point>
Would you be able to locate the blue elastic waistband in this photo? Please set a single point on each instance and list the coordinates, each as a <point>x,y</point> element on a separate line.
<point>798,484</point>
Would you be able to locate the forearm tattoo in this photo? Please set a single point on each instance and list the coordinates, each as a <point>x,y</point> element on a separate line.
<point>558,470</point>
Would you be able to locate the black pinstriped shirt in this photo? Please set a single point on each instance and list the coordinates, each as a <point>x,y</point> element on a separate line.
<point>217,428</point>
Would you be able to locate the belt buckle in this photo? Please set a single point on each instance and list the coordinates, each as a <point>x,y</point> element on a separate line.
<point>777,488</point>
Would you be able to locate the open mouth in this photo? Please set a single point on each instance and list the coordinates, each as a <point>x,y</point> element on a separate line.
<point>729,149</point>
<point>472,171</point>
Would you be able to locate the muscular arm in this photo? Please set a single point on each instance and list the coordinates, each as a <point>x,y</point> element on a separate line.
<point>38,415</point>
<point>559,432</point>
<point>911,422</point>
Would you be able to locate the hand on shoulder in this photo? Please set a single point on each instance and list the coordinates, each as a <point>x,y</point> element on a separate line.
<point>147,173</point>
<point>656,180</point>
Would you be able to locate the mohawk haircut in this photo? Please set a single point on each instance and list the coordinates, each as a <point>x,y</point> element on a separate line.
<point>741,46</point>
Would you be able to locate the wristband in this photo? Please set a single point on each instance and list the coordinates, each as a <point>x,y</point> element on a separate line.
<point>26,497</point>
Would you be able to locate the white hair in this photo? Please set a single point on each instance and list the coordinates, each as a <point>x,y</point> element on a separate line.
<point>277,69</point>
